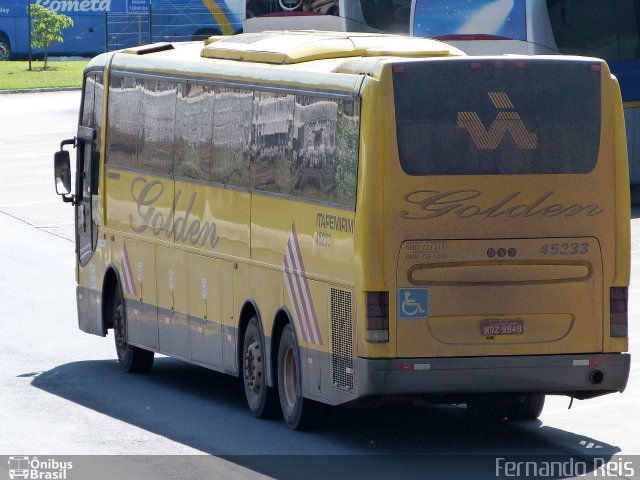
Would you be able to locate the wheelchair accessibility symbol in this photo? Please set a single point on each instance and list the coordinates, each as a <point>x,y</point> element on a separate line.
<point>413,303</point>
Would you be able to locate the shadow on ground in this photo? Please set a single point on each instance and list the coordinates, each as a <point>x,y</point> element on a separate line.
<point>206,411</point>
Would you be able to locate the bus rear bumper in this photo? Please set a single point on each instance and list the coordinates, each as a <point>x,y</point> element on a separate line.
<point>582,376</point>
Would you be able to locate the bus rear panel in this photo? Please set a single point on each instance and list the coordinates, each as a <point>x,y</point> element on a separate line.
<point>505,230</point>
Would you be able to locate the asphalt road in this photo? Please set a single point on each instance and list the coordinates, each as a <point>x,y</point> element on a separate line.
<point>62,392</point>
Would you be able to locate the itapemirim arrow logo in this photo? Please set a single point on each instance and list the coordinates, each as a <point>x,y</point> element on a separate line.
<point>507,120</point>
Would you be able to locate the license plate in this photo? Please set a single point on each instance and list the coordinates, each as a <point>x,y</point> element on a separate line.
<point>491,328</point>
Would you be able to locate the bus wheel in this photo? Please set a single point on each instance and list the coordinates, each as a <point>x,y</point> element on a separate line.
<point>488,407</point>
<point>132,359</point>
<point>299,413</point>
<point>5,50</point>
<point>260,398</point>
<point>529,409</point>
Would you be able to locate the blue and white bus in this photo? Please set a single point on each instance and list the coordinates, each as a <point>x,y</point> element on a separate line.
<point>101,25</point>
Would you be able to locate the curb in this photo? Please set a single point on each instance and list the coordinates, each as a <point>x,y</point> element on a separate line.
<point>40,90</point>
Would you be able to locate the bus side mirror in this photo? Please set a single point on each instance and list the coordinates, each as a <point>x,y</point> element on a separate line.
<point>62,172</point>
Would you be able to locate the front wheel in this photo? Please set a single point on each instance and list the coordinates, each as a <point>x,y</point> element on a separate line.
<point>132,359</point>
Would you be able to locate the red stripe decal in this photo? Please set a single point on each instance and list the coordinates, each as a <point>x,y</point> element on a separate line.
<point>299,292</point>
<point>129,283</point>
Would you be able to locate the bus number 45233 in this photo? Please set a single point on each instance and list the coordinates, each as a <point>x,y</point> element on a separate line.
<point>573,248</point>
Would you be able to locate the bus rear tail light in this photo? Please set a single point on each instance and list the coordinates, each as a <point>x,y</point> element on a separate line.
<point>618,311</point>
<point>377,319</point>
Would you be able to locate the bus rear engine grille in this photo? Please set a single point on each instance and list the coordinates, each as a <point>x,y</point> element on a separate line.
<point>341,339</point>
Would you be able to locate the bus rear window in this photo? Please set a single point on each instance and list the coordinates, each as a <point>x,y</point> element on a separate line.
<point>496,18</point>
<point>487,117</point>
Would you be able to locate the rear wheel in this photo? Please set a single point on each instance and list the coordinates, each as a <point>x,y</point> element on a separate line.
<point>261,399</point>
<point>299,413</point>
<point>513,407</point>
<point>528,409</point>
<point>132,359</point>
<point>5,49</point>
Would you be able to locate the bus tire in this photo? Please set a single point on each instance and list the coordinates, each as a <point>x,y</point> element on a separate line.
<point>299,413</point>
<point>132,359</point>
<point>261,399</point>
<point>529,409</point>
<point>5,48</point>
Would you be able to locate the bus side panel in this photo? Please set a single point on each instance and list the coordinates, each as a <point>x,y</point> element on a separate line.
<point>330,373</point>
<point>8,28</point>
<point>205,309</point>
<point>136,261</point>
<point>89,291</point>
<point>214,221</point>
<point>283,238</point>
<point>171,289</point>
<point>236,292</point>
<point>85,37</point>
<point>211,219</point>
<point>20,45</point>
<point>140,204</point>
<point>303,249</point>
<point>14,24</point>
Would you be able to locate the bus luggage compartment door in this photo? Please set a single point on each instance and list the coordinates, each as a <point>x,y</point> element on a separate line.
<point>499,297</point>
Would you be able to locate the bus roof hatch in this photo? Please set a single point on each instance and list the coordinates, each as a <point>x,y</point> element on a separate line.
<point>288,47</point>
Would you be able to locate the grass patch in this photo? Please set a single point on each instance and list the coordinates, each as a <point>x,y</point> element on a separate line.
<point>16,75</point>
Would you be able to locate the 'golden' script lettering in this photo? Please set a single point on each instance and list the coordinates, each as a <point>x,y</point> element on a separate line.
<point>466,204</point>
<point>182,227</point>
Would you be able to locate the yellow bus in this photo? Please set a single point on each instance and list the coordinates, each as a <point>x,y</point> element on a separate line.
<point>335,217</point>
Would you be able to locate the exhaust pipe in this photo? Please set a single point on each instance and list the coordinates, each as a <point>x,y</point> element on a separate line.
<point>596,377</point>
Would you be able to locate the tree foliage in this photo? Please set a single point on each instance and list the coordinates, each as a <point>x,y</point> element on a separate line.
<point>46,28</point>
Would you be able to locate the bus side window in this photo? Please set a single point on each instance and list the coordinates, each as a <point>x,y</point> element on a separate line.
<point>347,143</point>
<point>232,123</point>
<point>97,111</point>
<point>157,125</point>
<point>86,158</point>
<point>194,112</point>
<point>314,142</point>
<point>124,108</point>
<point>92,118</point>
<point>88,105</point>
<point>272,148</point>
